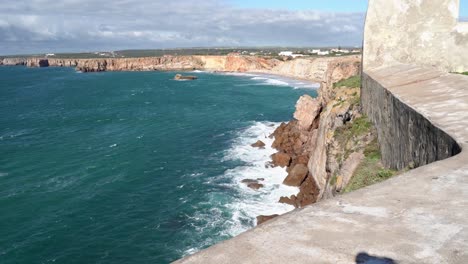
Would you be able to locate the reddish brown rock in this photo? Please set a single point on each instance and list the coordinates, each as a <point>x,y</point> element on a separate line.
<point>255,185</point>
<point>288,200</point>
<point>281,159</point>
<point>279,130</point>
<point>303,159</point>
<point>297,175</point>
<point>263,218</point>
<point>248,181</point>
<point>308,193</point>
<point>307,110</point>
<point>258,144</point>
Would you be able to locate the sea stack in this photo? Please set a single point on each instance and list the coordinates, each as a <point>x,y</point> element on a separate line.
<point>179,77</point>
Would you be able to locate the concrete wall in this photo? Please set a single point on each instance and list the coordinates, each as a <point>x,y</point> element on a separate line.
<point>416,33</point>
<point>422,32</point>
<point>407,139</point>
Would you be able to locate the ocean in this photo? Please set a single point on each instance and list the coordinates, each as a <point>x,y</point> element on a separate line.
<point>134,167</point>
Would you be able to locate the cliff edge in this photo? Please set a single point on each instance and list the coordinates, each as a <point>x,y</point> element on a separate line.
<point>313,69</point>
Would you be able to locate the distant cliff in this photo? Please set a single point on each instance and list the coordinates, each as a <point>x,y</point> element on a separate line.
<point>305,68</point>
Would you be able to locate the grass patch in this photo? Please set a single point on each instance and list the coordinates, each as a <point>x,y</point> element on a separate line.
<point>358,127</point>
<point>339,103</point>
<point>351,131</point>
<point>356,100</point>
<point>462,73</point>
<point>370,171</point>
<point>352,82</point>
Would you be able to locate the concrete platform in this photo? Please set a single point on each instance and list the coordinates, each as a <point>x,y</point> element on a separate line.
<point>418,217</point>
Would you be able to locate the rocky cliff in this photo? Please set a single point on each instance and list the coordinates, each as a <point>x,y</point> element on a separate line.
<point>328,139</point>
<point>13,61</point>
<point>315,69</point>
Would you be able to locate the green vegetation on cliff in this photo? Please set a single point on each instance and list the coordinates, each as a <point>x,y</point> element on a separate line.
<point>352,82</point>
<point>352,131</point>
<point>462,73</point>
<point>370,171</point>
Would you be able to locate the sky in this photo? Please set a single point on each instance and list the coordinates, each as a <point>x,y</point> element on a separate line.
<point>52,26</point>
<point>328,5</point>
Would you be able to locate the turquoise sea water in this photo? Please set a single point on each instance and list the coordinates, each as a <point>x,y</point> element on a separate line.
<point>132,167</point>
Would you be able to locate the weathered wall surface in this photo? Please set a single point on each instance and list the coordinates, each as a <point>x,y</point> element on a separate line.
<point>425,32</point>
<point>407,139</point>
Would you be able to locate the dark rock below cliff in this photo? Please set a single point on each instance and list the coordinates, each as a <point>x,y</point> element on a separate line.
<point>308,193</point>
<point>258,144</point>
<point>288,200</point>
<point>281,159</point>
<point>263,218</point>
<point>248,181</point>
<point>297,175</point>
<point>43,63</point>
<point>255,185</point>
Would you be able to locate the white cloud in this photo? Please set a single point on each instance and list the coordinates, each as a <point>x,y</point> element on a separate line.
<point>76,25</point>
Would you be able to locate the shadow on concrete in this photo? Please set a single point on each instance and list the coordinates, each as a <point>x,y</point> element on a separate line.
<point>364,258</point>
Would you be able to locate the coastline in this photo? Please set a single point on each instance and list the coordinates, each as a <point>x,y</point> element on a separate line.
<point>307,69</point>
<point>306,73</point>
<point>265,201</point>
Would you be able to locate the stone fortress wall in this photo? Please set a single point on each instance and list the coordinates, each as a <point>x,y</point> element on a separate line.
<point>425,40</point>
<point>423,32</point>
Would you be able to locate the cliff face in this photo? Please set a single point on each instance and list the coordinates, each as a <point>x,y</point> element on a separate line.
<point>321,153</point>
<point>315,69</point>
<point>13,61</point>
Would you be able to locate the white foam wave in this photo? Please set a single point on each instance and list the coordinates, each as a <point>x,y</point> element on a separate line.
<point>313,86</point>
<point>283,81</point>
<point>276,82</point>
<point>246,204</point>
<point>239,74</point>
<point>252,203</point>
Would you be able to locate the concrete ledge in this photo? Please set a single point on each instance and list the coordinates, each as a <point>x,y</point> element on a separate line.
<point>418,217</point>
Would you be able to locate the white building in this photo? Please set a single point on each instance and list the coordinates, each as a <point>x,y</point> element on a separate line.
<point>286,53</point>
<point>297,55</point>
<point>50,54</point>
<point>323,53</point>
<point>316,51</point>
